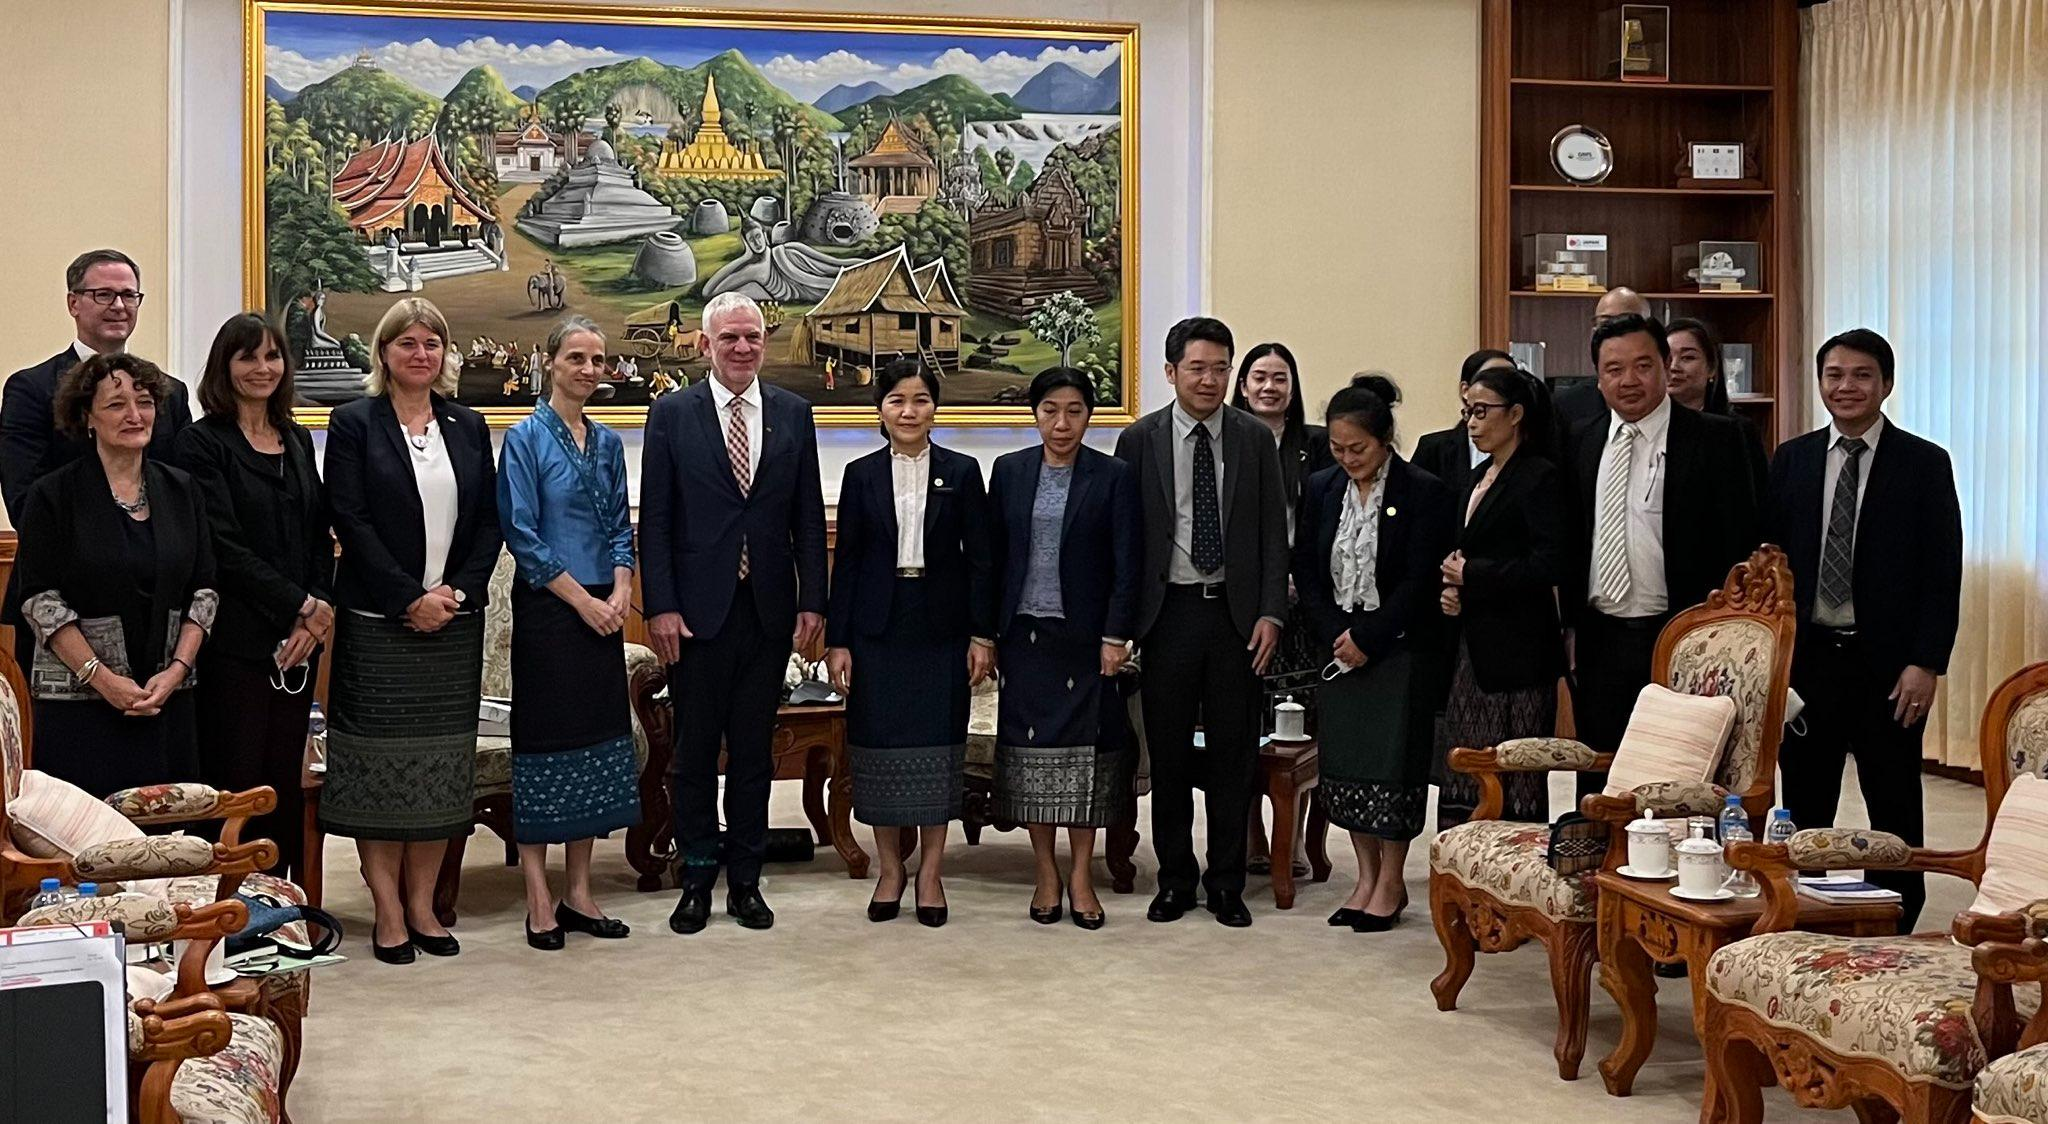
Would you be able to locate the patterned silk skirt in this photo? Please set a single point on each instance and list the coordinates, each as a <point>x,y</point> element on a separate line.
<point>1476,718</point>
<point>1375,746</point>
<point>1062,747</point>
<point>906,716</point>
<point>573,772</point>
<point>401,728</point>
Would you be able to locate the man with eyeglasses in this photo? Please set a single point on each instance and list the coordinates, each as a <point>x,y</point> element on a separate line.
<point>1212,597</point>
<point>104,296</point>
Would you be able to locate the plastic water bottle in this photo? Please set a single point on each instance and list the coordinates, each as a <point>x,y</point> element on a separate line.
<point>88,889</point>
<point>49,892</point>
<point>1780,828</point>
<point>1735,829</point>
<point>316,721</point>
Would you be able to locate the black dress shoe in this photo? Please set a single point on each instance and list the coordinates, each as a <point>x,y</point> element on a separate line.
<point>693,912</point>
<point>549,940</point>
<point>884,911</point>
<point>1050,915</point>
<point>1373,922</point>
<point>745,905</point>
<point>444,945</point>
<point>400,953</point>
<point>1090,920</point>
<point>930,916</point>
<point>1228,906</point>
<point>1169,905</point>
<point>1346,918</point>
<point>603,928</point>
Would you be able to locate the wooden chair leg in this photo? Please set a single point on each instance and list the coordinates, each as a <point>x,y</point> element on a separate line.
<point>448,885</point>
<point>817,766</point>
<point>1736,1076</point>
<point>1122,846</point>
<point>1286,805</point>
<point>1318,837</point>
<point>839,804</point>
<point>1573,951</point>
<point>1460,950</point>
<point>1875,1111</point>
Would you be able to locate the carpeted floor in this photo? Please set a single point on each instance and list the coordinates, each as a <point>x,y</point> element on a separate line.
<point>828,1017</point>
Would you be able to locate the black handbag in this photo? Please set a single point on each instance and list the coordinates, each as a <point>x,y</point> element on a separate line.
<point>1577,844</point>
<point>267,915</point>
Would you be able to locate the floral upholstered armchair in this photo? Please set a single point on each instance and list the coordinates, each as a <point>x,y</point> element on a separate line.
<point>1491,887</point>
<point>191,1059</point>
<point>494,755</point>
<point>1901,1027</point>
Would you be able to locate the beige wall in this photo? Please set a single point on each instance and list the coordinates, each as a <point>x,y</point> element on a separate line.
<point>1345,190</point>
<point>1344,179</point>
<point>90,169</point>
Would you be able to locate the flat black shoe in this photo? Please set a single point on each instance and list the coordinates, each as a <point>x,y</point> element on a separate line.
<point>884,911</point>
<point>1229,908</point>
<point>1169,905</point>
<point>1346,918</point>
<point>434,946</point>
<point>550,940</point>
<point>396,954</point>
<point>746,906</point>
<point>1048,915</point>
<point>603,928</point>
<point>1088,920</point>
<point>1373,923</point>
<point>692,913</point>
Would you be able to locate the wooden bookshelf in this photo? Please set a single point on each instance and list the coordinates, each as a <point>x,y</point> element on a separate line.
<point>1733,77</point>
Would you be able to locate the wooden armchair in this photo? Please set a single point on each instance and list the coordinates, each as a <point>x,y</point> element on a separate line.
<point>1896,1027</point>
<point>193,1056</point>
<point>2014,1089</point>
<point>1490,886</point>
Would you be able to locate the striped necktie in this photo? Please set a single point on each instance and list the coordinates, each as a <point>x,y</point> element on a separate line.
<point>1611,541</point>
<point>742,472</point>
<point>1837,555</point>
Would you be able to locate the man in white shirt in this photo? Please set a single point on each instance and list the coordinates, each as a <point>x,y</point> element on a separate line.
<point>103,293</point>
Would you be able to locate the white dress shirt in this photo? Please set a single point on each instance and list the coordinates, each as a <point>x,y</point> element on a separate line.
<point>1647,594</point>
<point>1180,569</point>
<point>722,398</point>
<point>1472,450</point>
<point>434,472</point>
<point>1843,615</point>
<point>83,352</point>
<point>910,476</point>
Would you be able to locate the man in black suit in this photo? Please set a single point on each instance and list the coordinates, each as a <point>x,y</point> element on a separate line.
<point>1212,598</point>
<point>1665,509</point>
<point>1869,519</point>
<point>1581,401</point>
<point>104,296</point>
<point>732,550</point>
<point>1449,454</point>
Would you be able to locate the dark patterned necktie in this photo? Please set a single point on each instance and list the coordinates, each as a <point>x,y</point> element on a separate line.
<point>1207,548</point>
<point>1837,556</point>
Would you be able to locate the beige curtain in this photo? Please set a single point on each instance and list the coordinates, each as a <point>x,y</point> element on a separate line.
<point>1925,144</point>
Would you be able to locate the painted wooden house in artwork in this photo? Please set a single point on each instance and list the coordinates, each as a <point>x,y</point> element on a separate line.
<point>1024,253</point>
<point>882,309</point>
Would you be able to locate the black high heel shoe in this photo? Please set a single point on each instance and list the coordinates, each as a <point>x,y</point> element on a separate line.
<point>1049,915</point>
<point>931,916</point>
<point>1377,923</point>
<point>1346,917</point>
<point>548,940</point>
<point>1087,920</point>
<point>879,910</point>
<point>400,953</point>
<point>444,945</point>
<point>603,928</point>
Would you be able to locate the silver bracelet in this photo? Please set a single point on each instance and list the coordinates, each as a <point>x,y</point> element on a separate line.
<point>85,673</point>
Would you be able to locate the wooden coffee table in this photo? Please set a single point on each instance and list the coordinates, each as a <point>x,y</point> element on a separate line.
<point>1641,923</point>
<point>313,841</point>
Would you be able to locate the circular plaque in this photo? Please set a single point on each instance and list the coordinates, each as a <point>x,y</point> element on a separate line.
<point>1581,155</point>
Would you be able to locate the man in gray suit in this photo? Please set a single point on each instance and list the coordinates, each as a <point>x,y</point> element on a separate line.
<point>1212,596</point>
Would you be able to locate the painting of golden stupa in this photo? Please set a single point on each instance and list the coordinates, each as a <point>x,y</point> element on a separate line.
<point>711,154</point>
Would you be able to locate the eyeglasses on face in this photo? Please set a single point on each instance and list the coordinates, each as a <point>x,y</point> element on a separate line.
<point>106,297</point>
<point>1480,411</point>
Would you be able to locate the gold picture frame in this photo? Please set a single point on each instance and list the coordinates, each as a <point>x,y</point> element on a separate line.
<point>442,210</point>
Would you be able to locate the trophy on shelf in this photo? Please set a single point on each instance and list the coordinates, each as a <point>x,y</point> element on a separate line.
<point>1719,267</point>
<point>1635,43</point>
<point>1635,53</point>
<point>1567,263</point>
<point>1735,368</point>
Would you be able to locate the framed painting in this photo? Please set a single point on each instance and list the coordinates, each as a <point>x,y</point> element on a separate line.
<point>961,192</point>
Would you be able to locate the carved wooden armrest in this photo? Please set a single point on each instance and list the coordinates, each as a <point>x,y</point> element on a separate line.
<point>2030,921</point>
<point>1669,799</point>
<point>1839,848</point>
<point>171,856</point>
<point>188,802</point>
<point>175,1029</point>
<point>1522,755</point>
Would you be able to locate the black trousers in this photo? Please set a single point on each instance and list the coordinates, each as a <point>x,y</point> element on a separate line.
<point>725,690</point>
<point>1196,670</point>
<point>1848,715</point>
<point>1614,667</point>
<point>250,734</point>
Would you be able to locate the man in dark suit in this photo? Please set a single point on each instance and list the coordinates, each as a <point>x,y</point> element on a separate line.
<point>732,550</point>
<point>1581,402</point>
<point>1868,516</point>
<point>1665,508</point>
<point>104,296</point>
<point>1449,454</point>
<point>1212,598</point>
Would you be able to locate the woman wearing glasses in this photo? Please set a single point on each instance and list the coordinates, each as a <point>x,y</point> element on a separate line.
<point>1373,531</point>
<point>1498,586</point>
<point>274,561</point>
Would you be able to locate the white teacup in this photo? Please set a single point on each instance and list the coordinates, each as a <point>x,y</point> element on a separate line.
<point>1649,846</point>
<point>1699,867</point>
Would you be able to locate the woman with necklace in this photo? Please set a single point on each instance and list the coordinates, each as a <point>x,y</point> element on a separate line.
<point>275,555</point>
<point>908,631</point>
<point>562,507</point>
<point>112,592</point>
<point>414,498</point>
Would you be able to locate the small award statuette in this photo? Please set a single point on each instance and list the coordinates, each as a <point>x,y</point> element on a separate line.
<point>1635,43</point>
<point>1581,154</point>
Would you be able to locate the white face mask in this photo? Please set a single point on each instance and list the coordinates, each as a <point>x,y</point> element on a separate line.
<point>1333,669</point>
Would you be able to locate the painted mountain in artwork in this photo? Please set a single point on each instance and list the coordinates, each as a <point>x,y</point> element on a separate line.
<point>745,94</point>
<point>957,96</point>
<point>275,91</point>
<point>844,96</point>
<point>1060,88</point>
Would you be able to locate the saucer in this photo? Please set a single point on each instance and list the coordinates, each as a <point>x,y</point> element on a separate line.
<point>1719,895</point>
<point>1627,871</point>
<point>1288,741</point>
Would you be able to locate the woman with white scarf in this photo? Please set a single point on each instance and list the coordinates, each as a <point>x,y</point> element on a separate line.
<point>1372,532</point>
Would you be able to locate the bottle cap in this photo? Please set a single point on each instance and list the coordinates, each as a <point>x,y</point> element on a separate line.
<point>51,884</point>
<point>88,889</point>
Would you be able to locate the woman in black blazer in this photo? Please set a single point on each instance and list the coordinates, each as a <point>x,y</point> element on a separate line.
<point>112,592</point>
<point>1067,540</point>
<point>1699,383</point>
<point>274,557</point>
<point>1374,529</point>
<point>414,498</point>
<point>908,631</point>
<point>1499,586</point>
<point>1269,388</point>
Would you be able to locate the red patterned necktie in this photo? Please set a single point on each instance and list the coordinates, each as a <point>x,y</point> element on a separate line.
<point>736,448</point>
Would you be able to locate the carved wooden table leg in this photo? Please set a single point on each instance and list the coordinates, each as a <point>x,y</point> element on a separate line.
<point>1122,845</point>
<point>817,767</point>
<point>448,886</point>
<point>1319,837</point>
<point>839,807</point>
<point>1286,803</point>
<point>1626,975</point>
<point>313,849</point>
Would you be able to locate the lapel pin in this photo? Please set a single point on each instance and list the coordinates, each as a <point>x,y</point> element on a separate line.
<point>1393,511</point>
<point>937,483</point>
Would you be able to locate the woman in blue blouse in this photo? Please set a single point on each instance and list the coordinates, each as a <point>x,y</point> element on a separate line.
<point>562,501</point>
